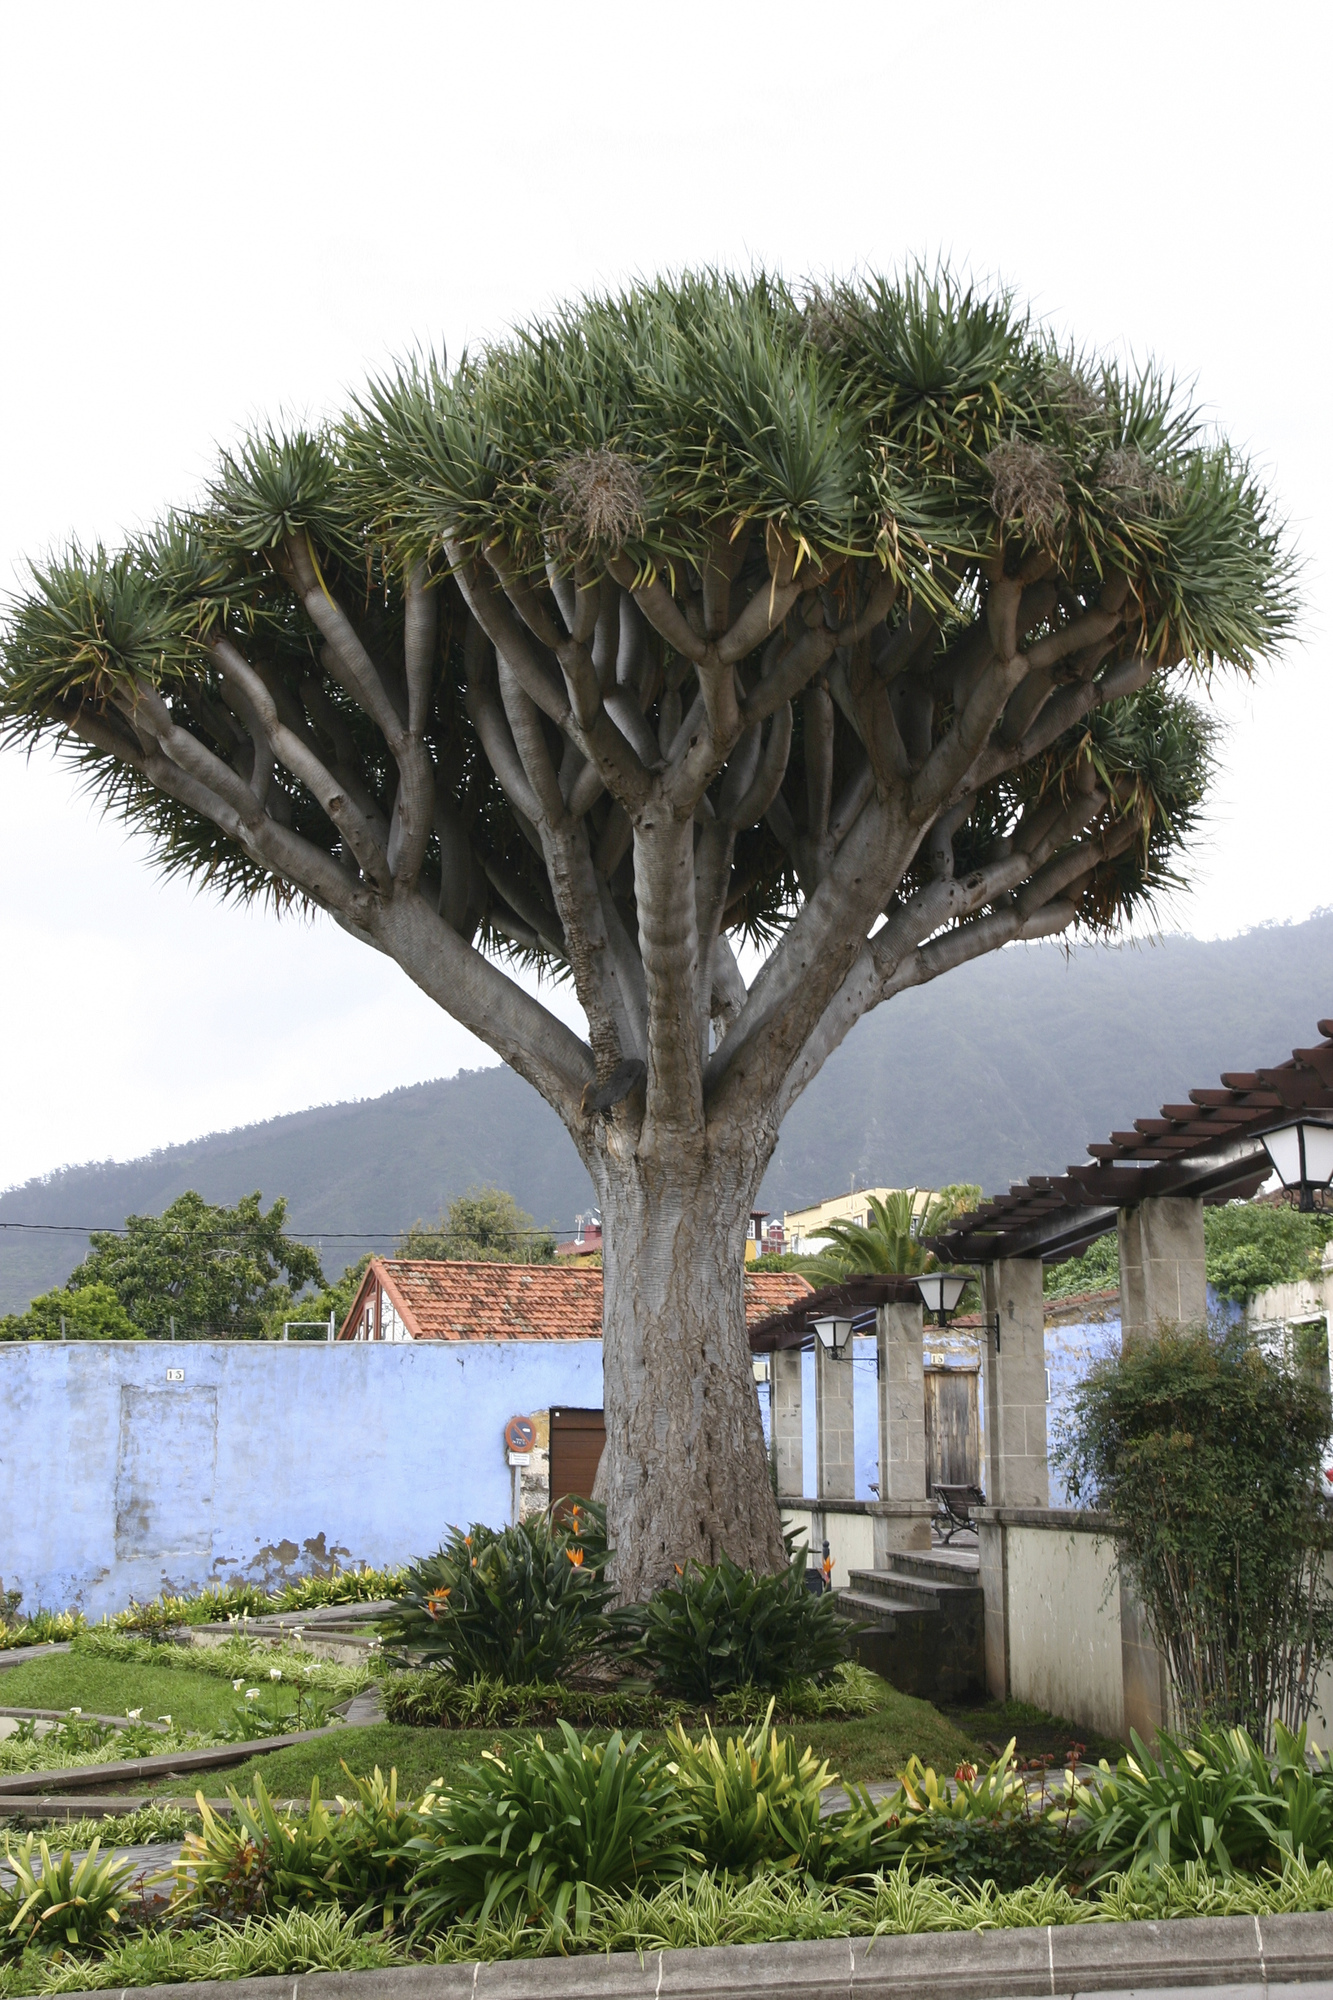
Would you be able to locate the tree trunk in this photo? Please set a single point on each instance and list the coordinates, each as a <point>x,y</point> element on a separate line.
<point>685,1473</point>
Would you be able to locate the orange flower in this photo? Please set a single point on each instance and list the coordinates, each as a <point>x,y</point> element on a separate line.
<point>576,1557</point>
<point>436,1602</point>
<point>679,1569</point>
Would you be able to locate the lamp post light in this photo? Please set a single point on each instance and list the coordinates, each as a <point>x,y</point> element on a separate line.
<point>834,1335</point>
<point>940,1292</point>
<point>1303,1156</point>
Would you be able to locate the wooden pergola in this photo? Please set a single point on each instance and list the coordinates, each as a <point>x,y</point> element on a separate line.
<point>1208,1149</point>
<point>857,1299</point>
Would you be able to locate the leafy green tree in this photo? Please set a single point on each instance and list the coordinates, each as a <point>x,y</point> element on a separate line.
<point>1097,1270</point>
<point>855,622</point>
<point>1247,1247</point>
<point>485,1225</point>
<point>1251,1245</point>
<point>337,1298</point>
<point>82,1312</point>
<point>1207,1450</point>
<point>893,1240</point>
<point>217,1273</point>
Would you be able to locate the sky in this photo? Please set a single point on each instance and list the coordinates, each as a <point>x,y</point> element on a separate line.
<point>216,215</point>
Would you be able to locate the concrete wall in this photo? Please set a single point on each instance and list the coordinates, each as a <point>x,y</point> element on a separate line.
<point>263,1461</point>
<point>849,1528</point>
<point>1065,1651</point>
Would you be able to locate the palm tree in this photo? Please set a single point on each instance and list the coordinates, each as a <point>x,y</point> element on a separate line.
<point>891,1241</point>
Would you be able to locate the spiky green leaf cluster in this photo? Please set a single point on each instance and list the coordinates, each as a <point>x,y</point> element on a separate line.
<point>920,425</point>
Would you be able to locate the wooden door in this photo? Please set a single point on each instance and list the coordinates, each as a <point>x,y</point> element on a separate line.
<point>577,1437</point>
<point>953,1428</point>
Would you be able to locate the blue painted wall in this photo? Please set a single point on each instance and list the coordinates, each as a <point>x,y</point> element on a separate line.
<point>265,1462</point>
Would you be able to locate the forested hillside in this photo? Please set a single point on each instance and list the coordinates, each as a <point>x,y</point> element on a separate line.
<point>1005,1068</point>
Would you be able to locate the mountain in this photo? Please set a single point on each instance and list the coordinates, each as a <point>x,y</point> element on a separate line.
<point>1005,1068</point>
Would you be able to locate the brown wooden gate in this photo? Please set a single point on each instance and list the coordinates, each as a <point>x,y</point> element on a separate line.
<point>953,1428</point>
<point>577,1437</point>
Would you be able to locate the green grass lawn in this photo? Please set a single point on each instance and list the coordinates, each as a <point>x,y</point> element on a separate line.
<point>110,1687</point>
<point>1036,1734</point>
<point>866,1747</point>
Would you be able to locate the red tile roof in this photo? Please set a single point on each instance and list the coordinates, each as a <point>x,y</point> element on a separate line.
<point>440,1300</point>
<point>769,1292</point>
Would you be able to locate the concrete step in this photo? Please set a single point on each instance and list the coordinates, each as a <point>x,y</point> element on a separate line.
<point>868,1608</point>
<point>937,1565</point>
<point>925,1591</point>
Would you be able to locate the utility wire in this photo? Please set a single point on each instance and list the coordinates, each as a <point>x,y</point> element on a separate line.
<point>298,1232</point>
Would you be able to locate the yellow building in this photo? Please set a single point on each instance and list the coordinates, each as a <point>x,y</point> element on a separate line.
<point>802,1228</point>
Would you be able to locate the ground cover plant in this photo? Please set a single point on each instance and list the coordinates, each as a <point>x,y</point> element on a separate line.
<point>437,1697</point>
<point>607,1843</point>
<point>1206,1449</point>
<point>212,1606</point>
<point>235,1691</point>
<point>145,1825</point>
<point>705,1912</point>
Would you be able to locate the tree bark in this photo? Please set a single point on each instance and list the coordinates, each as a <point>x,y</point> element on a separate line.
<point>685,1472</point>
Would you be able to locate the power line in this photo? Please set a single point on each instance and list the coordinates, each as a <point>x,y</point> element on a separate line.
<point>299,1234</point>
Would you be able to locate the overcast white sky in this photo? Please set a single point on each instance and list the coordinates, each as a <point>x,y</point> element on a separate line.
<point>213,213</point>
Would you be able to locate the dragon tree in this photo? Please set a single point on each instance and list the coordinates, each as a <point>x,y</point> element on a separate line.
<point>743,655</point>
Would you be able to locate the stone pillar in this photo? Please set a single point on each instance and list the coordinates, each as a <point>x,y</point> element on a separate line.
<point>835,1438</point>
<point>1014,1374</point>
<point>903,1519</point>
<point>784,1387</point>
<point>1161,1264</point>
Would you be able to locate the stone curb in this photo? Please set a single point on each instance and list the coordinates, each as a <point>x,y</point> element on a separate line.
<point>1212,1954</point>
<point>140,1768</point>
<point>17,1656</point>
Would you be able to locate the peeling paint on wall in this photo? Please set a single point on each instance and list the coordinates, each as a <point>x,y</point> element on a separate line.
<point>267,1461</point>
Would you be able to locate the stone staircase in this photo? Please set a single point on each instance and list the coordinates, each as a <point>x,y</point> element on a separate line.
<point>921,1623</point>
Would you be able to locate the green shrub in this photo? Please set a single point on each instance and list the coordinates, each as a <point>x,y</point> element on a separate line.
<point>44,1628</point>
<point>517,1605</point>
<point>753,1800</point>
<point>63,1903</point>
<point>264,1861</point>
<point>132,1829</point>
<point>1216,1800</point>
<point>527,1837</point>
<point>1206,1450</point>
<point>342,1586</point>
<point>721,1627</point>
